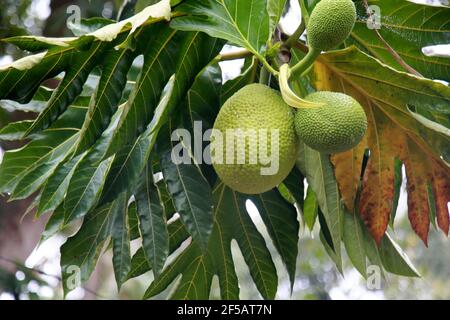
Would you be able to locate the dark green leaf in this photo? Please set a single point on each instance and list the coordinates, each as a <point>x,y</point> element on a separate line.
<point>197,267</point>
<point>398,179</point>
<point>407,27</point>
<point>14,131</point>
<point>56,186</point>
<point>232,86</point>
<point>191,194</point>
<point>280,219</point>
<point>294,183</point>
<point>121,239</point>
<point>152,222</point>
<point>320,175</point>
<point>107,96</point>
<point>177,235</point>
<point>25,166</point>
<point>85,188</point>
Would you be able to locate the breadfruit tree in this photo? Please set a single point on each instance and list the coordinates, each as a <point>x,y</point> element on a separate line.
<point>100,152</point>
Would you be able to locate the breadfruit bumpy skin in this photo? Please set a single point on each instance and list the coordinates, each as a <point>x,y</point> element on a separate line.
<point>337,126</point>
<point>330,23</point>
<point>256,107</point>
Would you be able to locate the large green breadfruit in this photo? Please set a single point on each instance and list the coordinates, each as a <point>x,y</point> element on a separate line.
<point>330,23</point>
<point>337,126</point>
<point>258,114</point>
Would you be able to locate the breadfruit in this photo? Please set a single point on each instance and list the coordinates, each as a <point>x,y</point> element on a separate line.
<point>337,126</point>
<point>254,145</point>
<point>330,23</point>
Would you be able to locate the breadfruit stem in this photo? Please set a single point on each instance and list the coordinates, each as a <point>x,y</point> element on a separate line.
<point>290,42</point>
<point>305,63</point>
<point>264,76</point>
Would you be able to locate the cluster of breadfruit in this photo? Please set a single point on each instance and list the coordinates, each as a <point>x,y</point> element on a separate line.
<point>336,124</point>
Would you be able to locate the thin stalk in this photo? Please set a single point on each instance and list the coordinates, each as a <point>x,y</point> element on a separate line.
<point>290,42</point>
<point>305,63</point>
<point>391,50</point>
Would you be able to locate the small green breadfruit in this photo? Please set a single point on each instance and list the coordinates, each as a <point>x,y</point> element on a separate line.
<point>337,126</point>
<point>330,23</point>
<point>254,145</point>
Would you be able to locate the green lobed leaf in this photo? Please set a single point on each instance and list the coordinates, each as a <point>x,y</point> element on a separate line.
<point>152,223</point>
<point>245,23</point>
<point>190,192</point>
<point>177,235</point>
<point>15,130</point>
<point>54,223</point>
<point>407,27</point>
<point>131,160</point>
<point>36,44</point>
<point>275,9</point>
<point>310,208</point>
<point>294,183</point>
<point>232,222</point>
<point>199,110</point>
<point>21,170</point>
<point>85,26</point>
<point>88,166</point>
<point>327,242</point>
<point>318,170</point>
<point>186,264</point>
<point>353,239</point>
<point>133,221</point>
<point>398,179</point>
<point>20,80</point>
<point>80,253</point>
<point>371,249</point>
<point>160,54</point>
<point>54,189</point>
<point>69,88</point>
<point>231,86</point>
<point>395,260</point>
<point>39,101</point>
<point>107,96</point>
<point>120,234</point>
<point>394,93</point>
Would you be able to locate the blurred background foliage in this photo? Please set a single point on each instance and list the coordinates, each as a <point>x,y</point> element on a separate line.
<point>36,276</point>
